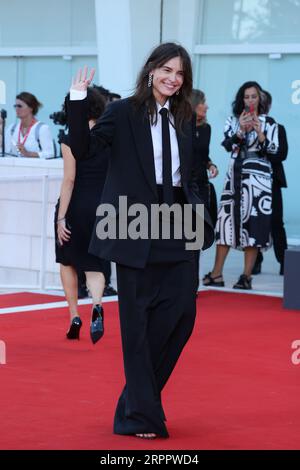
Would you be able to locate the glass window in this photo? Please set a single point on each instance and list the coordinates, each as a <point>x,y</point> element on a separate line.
<point>221,76</point>
<point>44,24</point>
<point>250,21</point>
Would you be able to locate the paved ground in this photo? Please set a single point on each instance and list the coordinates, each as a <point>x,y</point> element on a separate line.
<point>268,282</point>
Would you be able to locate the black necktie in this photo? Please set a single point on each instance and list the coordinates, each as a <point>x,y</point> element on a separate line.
<point>166,158</point>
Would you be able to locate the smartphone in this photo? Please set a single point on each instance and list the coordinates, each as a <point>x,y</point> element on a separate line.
<point>249,109</point>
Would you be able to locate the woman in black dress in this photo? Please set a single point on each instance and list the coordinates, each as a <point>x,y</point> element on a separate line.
<point>74,221</point>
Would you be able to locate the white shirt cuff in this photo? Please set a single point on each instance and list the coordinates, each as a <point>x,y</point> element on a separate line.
<point>76,95</point>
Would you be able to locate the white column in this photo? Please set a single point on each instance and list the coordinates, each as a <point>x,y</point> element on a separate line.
<point>2,92</point>
<point>114,45</point>
<point>126,31</point>
<point>179,22</point>
<point>187,23</point>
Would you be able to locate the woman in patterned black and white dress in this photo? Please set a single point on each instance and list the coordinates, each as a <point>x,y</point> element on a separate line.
<point>244,217</point>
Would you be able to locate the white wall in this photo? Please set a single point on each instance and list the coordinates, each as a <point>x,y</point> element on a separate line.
<point>21,223</point>
<point>180,22</point>
<point>126,31</point>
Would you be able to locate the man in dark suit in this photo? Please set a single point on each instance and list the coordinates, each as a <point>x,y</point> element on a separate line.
<point>279,181</point>
<point>152,162</point>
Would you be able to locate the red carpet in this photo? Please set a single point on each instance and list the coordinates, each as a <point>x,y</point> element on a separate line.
<point>27,298</point>
<point>235,386</point>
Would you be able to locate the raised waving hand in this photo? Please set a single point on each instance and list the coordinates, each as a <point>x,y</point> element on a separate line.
<point>83,79</point>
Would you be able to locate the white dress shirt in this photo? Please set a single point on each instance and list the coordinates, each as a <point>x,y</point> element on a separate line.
<point>31,144</point>
<point>156,132</point>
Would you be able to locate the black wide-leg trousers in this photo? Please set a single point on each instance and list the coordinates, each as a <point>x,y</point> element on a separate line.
<point>278,230</point>
<point>157,307</point>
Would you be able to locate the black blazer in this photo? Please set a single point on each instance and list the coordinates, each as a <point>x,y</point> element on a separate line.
<point>131,170</point>
<point>202,140</point>
<point>276,160</point>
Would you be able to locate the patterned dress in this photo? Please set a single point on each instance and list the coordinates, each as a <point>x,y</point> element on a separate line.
<point>244,216</point>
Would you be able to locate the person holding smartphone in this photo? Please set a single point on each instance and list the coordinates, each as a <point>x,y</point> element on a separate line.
<point>244,217</point>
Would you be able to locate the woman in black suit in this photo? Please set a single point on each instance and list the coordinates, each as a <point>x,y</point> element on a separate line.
<point>202,139</point>
<point>207,168</point>
<point>278,181</point>
<point>152,161</point>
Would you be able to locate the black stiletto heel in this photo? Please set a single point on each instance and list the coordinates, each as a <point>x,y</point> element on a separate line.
<point>97,323</point>
<point>74,330</point>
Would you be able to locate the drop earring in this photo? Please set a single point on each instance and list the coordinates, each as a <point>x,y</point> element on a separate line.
<point>177,92</point>
<point>150,80</point>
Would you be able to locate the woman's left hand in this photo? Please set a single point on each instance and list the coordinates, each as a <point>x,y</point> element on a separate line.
<point>81,81</point>
<point>257,128</point>
<point>256,124</point>
<point>63,234</point>
<point>22,150</point>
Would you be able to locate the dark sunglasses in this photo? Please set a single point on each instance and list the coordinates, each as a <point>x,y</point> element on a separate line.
<point>18,106</point>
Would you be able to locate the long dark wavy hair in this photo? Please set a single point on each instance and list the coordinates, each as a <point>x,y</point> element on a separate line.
<point>238,104</point>
<point>180,106</point>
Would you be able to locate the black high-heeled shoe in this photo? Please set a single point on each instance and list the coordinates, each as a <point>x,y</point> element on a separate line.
<point>74,330</point>
<point>256,268</point>
<point>97,323</point>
